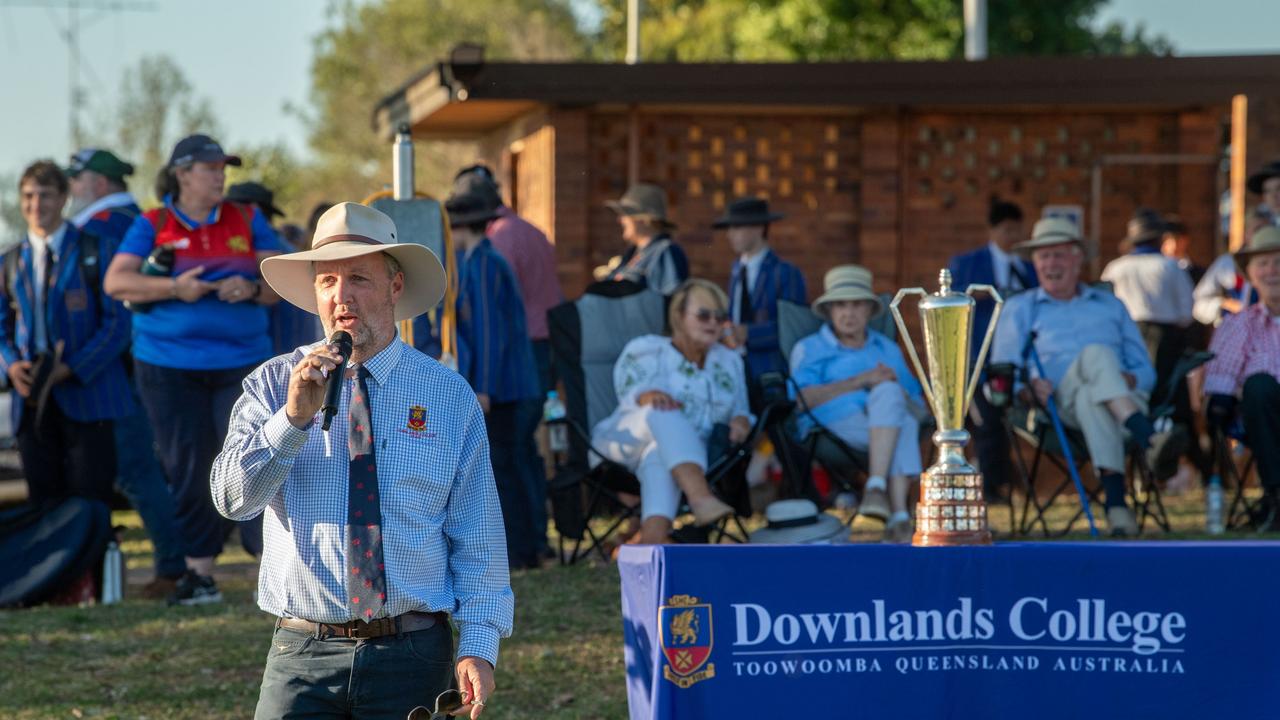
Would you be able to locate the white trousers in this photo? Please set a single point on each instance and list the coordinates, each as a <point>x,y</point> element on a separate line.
<point>650,443</point>
<point>1094,379</point>
<point>886,407</point>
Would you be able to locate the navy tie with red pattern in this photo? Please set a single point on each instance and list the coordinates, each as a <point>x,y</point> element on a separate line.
<point>368,579</point>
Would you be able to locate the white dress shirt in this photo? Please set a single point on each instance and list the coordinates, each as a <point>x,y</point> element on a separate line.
<point>40,272</point>
<point>1152,287</point>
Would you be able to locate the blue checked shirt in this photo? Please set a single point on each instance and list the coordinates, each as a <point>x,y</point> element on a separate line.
<point>443,540</point>
<point>1064,327</point>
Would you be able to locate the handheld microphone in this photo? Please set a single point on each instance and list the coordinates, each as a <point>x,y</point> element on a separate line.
<point>333,390</point>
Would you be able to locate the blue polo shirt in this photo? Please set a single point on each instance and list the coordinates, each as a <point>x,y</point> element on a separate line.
<point>208,334</point>
<point>820,359</point>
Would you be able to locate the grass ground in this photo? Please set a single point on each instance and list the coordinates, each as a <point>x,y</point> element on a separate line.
<point>141,659</point>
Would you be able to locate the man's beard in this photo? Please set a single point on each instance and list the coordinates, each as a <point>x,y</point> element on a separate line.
<point>76,205</point>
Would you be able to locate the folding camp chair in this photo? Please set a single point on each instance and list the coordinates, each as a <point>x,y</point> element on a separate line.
<point>1242,511</point>
<point>587,336</point>
<point>1034,427</point>
<point>843,462</point>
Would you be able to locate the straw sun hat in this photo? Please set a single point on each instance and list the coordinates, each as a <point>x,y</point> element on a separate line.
<point>348,230</point>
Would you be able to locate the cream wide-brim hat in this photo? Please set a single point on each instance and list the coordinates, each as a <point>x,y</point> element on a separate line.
<point>348,230</point>
<point>847,282</point>
<point>1265,240</point>
<point>1051,231</point>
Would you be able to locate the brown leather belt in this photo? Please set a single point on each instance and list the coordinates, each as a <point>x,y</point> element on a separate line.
<point>360,630</point>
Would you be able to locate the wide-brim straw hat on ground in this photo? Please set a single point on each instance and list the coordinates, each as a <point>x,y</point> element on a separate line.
<point>1051,231</point>
<point>1266,240</point>
<point>349,230</point>
<point>798,522</point>
<point>847,282</point>
<point>643,200</point>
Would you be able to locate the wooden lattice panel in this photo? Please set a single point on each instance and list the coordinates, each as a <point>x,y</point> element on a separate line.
<point>807,166</point>
<point>954,163</point>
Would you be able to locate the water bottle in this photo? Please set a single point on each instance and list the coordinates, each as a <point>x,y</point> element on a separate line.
<point>158,264</point>
<point>1213,509</point>
<point>112,574</point>
<point>557,432</point>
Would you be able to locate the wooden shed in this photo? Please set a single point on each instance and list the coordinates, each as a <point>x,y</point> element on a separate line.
<point>888,164</point>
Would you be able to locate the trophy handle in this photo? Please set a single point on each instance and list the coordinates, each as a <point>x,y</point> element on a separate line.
<point>986,341</point>
<point>906,340</point>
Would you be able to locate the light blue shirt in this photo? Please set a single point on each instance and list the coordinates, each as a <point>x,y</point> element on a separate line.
<point>820,359</point>
<point>444,545</point>
<point>1064,327</point>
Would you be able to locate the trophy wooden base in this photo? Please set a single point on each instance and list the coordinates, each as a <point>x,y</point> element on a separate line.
<point>951,511</point>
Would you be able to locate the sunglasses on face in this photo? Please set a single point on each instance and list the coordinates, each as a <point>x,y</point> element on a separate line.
<point>705,315</point>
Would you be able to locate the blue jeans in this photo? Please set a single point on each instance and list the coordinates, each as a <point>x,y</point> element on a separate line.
<point>386,677</point>
<point>140,478</point>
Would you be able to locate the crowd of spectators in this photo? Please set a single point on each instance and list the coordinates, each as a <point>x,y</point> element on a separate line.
<point>126,334</point>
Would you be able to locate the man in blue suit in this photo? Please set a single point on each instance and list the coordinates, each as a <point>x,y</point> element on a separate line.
<point>759,280</point>
<point>61,339</point>
<point>998,265</point>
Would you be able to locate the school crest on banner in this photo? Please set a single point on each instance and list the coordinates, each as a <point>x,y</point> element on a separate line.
<point>417,418</point>
<point>685,634</point>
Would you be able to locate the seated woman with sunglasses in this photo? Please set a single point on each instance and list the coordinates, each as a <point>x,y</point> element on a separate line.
<point>854,381</point>
<point>672,391</point>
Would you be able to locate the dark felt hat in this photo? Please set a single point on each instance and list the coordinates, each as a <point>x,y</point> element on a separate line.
<point>1268,171</point>
<point>1146,226</point>
<point>252,193</point>
<point>747,211</point>
<point>468,209</point>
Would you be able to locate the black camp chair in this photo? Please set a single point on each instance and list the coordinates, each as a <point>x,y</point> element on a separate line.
<point>587,336</point>
<point>843,462</point>
<point>1032,425</point>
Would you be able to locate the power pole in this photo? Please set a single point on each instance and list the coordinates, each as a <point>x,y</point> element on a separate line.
<point>70,33</point>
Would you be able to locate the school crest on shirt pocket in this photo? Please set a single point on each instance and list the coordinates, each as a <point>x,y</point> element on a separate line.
<point>417,418</point>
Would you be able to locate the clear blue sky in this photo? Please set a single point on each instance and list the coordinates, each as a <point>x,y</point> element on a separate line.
<point>252,56</point>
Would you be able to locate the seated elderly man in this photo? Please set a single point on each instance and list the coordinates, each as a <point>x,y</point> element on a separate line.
<point>1095,362</point>
<point>856,384</point>
<point>1246,365</point>
<point>672,393</point>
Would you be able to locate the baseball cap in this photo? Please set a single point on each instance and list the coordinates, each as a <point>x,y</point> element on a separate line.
<point>103,162</point>
<point>199,148</point>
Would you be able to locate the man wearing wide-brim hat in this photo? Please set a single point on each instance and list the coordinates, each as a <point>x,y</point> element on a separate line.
<point>1242,378</point>
<point>1095,362</point>
<point>652,258</point>
<point>382,528</point>
<point>854,382</point>
<point>1155,290</point>
<point>758,280</point>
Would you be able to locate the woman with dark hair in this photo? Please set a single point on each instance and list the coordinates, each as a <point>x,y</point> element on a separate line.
<point>203,329</point>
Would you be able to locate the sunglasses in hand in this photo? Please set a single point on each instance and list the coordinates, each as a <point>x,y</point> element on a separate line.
<point>447,702</point>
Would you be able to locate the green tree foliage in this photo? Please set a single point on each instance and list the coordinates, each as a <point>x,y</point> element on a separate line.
<point>158,106</point>
<point>813,30</point>
<point>374,47</point>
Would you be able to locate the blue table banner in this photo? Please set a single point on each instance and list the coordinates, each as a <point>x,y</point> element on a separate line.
<point>1046,630</point>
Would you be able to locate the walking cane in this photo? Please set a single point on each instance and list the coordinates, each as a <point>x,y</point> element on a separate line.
<point>1052,406</point>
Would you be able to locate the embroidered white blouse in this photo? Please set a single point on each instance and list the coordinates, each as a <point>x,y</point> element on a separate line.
<point>712,394</point>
